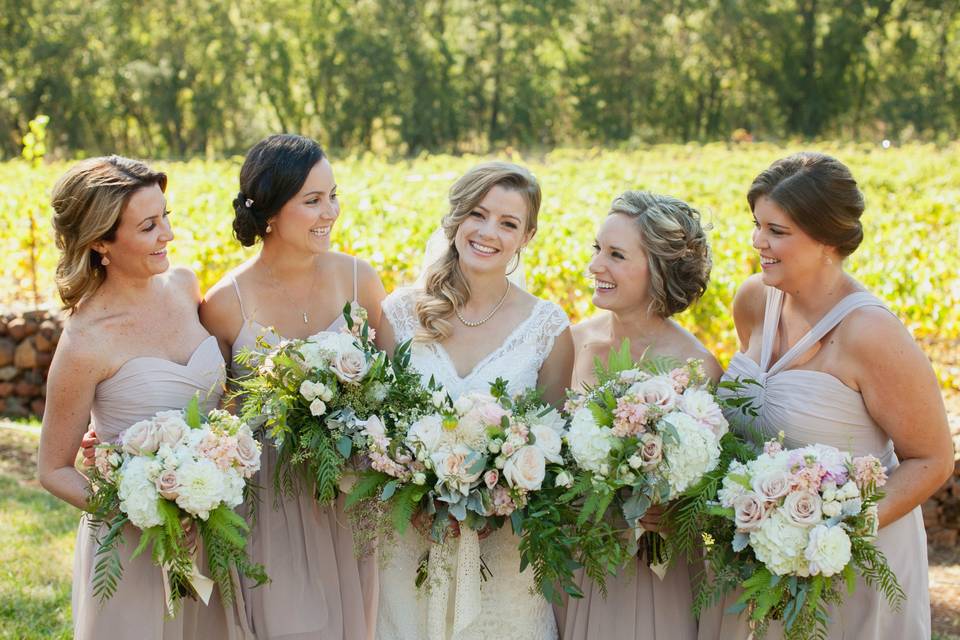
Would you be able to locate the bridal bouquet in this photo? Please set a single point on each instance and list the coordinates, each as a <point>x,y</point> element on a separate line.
<point>316,396</point>
<point>466,466</point>
<point>174,471</point>
<point>797,525</point>
<point>645,434</point>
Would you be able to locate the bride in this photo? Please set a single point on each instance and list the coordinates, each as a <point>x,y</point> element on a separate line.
<point>470,325</point>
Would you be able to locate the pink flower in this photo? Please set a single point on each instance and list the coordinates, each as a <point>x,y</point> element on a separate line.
<point>868,471</point>
<point>168,485</point>
<point>772,447</point>
<point>491,413</point>
<point>808,478</point>
<point>681,378</point>
<point>490,478</point>
<point>503,504</point>
<point>629,417</point>
<point>750,511</point>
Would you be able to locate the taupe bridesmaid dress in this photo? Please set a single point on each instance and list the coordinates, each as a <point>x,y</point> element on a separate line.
<point>816,407</point>
<point>319,590</point>
<point>140,388</point>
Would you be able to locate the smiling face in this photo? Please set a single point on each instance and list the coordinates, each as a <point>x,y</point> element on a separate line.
<point>787,254</point>
<point>305,221</point>
<point>494,230</point>
<point>620,267</point>
<point>139,247</point>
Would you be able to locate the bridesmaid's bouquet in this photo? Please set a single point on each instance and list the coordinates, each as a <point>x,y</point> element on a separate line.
<point>795,527</point>
<point>315,397</point>
<point>648,432</point>
<point>176,471</point>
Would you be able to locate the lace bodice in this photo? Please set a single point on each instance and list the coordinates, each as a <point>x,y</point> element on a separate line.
<point>517,360</point>
<point>511,608</point>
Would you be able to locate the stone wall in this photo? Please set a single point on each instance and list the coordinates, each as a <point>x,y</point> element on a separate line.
<point>27,341</point>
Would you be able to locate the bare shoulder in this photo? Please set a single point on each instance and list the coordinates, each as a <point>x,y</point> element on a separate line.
<point>184,280</point>
<point>587,331</point>
<point>220,310</point>
<point>80,350</point>
<point>689,347</point>
<point>874,333</point>
<point>750,300</point>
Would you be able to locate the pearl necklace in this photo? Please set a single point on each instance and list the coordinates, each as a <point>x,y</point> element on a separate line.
<point>477,323</point>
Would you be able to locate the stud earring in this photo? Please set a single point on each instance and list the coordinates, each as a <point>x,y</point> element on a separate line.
<point>269,228</point>
<point>104,260</point>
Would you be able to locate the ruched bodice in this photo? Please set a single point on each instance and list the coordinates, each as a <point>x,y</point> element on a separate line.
<point>145,385</point>
<point>140,388</point>
<point>816,407</point>
<point>807,405</point>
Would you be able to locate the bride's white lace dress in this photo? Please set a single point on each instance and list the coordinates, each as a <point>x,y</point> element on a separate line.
<point>511,609</point>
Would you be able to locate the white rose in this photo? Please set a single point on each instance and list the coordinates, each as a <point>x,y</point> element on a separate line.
<point>455,466</point>
<point>350,365</point>
<point>318,407</point>
<point>308,389</point>
<point>419,478</point>
<point>828,550</point>
<point>499,462</point>
<point>248,451</point>
<point>438,398</point>
<point>551,419</point>
<point>426,431</point>
<point>803,508</point>
<point>657,391</point>
<point>772,485</point>
<point>564,479</point>
<point>495,445</point>
<point>831,509</point>
<point>548,441</point>
<point>526,468</point>
<point>589,443</point>
<point>324,392</point>
<point>702,406</point>
<point>463,405</point>
<point>749,512</point>
<point>140,439</point>
<point>849,490</point>
<point>635,461</point>
<point>169,427</point>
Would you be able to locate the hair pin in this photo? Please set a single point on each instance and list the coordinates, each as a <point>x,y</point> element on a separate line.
<point>248,203</point>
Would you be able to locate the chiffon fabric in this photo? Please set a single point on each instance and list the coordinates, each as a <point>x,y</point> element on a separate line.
<point>815,407</point>
<point>140,388</point>
<point>319,590</point>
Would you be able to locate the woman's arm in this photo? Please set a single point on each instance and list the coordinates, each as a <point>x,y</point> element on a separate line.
<point>71,385</point>
<point>371,294</point>
<point>901,394</point>
<point>557,370</point>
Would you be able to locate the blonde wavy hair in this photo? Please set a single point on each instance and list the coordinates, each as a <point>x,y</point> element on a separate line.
<point>678,255</point>
<point>446,287</point>
<point>87,202</point>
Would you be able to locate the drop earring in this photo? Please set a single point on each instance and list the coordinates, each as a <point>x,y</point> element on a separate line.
<point>104,260</point>
<point>269,228</point>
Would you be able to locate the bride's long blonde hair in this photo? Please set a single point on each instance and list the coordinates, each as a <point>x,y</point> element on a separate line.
<point>446,287</point>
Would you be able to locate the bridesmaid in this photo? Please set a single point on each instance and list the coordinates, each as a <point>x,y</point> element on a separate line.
<point>651,260</point>
<point>132,346</point>
<point>838,368</point>
<point>293,288</point>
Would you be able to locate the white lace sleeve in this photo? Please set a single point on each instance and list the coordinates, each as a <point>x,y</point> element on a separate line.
<point>400,310</point>
<point>550,324</point>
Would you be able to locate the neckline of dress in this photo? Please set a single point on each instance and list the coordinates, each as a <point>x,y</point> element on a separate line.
<point>174,363</point>
<point>334,326</point>
<point>754,365</point>
<point>779,366</point>
<point>487,358</point>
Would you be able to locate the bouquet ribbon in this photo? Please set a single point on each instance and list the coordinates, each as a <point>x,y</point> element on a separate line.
<point>466,605</point>
<point>200,583</point>
<point>659,568</point>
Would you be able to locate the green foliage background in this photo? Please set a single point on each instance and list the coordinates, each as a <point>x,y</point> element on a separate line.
<point>909,257</point>
<point>183,78</point>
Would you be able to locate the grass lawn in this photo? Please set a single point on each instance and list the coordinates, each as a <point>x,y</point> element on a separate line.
<point>38,532</point>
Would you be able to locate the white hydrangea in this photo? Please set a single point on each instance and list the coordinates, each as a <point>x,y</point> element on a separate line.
<point>701,405</point>
<point>138,493</point>
<point>696,453</point>
<point>589,443</point>
<point>828,550</point>
<point>730,489</point>
<point>780,546</point>
<point>202,487</point>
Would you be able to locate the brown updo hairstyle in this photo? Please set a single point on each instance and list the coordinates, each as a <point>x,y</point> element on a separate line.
<point>819,193</point>
<point>88,201</point>
<point>678,255</point>
<point>446,287</point>
<point>273,172</point>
